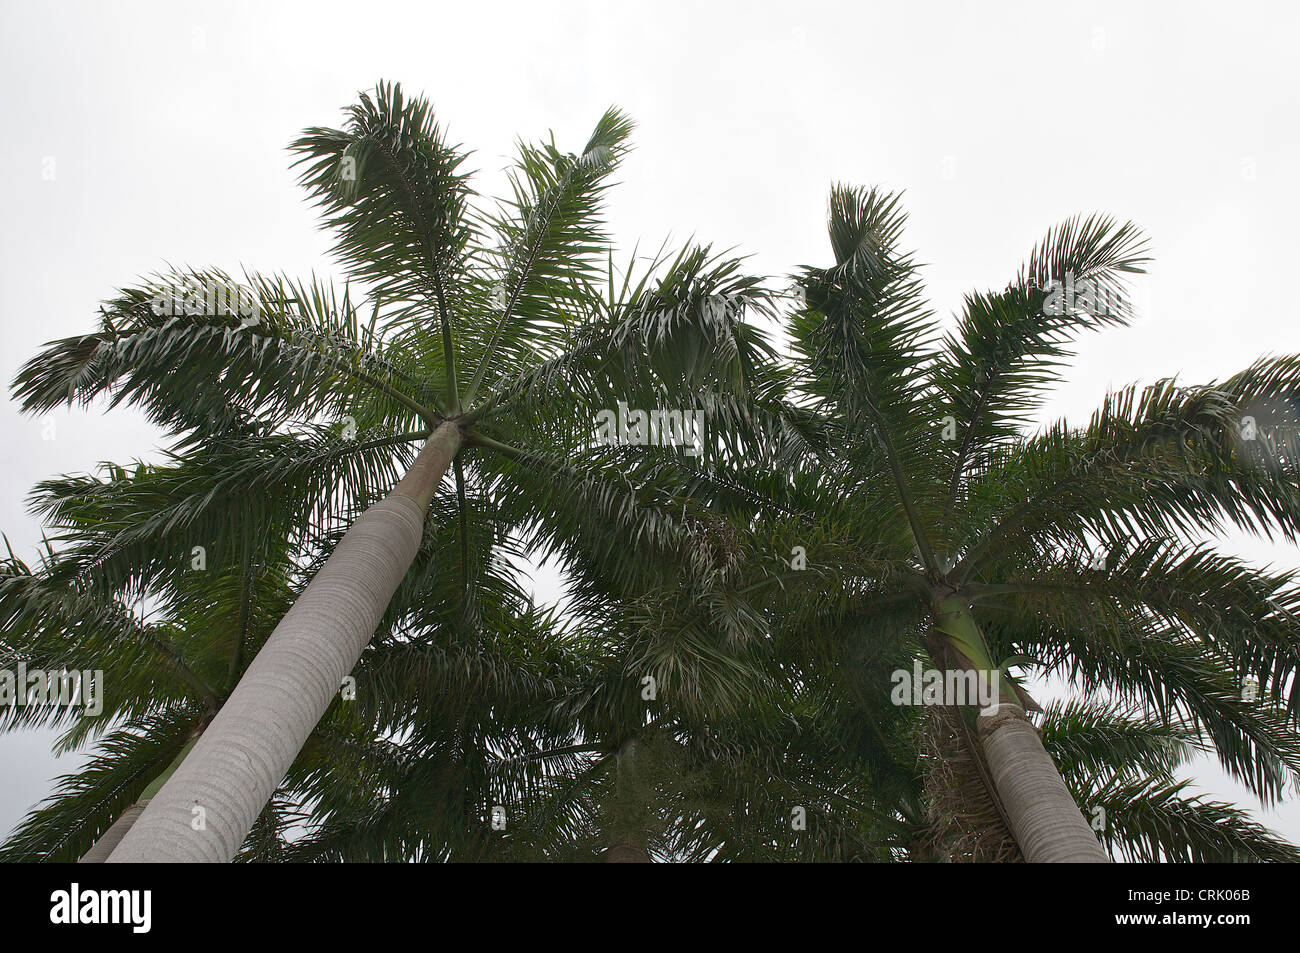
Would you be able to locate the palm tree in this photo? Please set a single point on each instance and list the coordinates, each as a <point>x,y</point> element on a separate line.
<point>931,519</point>
<point>473,318</point>
<point>436,659</point>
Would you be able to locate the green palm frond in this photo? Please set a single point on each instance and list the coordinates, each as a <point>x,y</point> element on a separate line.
<point>1154,821</point>
<point>1088,740</point>
<point>551,242</point>
<point>995,366</point>
<point>85,804</point>
<point>390,187</point>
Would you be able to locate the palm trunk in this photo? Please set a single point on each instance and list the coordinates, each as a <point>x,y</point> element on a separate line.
<point>1046,823</point>
<point>206,809</point>
<point>627,842</point>
<point>113,836</point>
<point>109,840</point>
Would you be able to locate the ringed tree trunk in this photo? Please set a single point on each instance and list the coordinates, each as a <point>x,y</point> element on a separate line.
<point>1046,823</point>
<point>113,836</point>
<point>109,840</point>
<point>206,809</point>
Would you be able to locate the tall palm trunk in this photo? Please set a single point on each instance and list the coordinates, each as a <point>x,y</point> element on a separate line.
<point>206,809</point>
<point>627,827</point>
<point>109,840</point>
<point>1046,823</point>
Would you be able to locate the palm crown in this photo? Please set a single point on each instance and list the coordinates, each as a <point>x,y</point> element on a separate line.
<point>932,518</point>
<point>304,403</point>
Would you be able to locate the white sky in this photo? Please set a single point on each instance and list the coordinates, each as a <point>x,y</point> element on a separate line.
<point>166,124</point>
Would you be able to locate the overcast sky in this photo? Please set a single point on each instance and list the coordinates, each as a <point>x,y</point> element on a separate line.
<point>137,134</point>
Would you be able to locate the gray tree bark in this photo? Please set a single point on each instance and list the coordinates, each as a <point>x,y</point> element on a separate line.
<point>1045,821</point>
<point>113,836</point>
